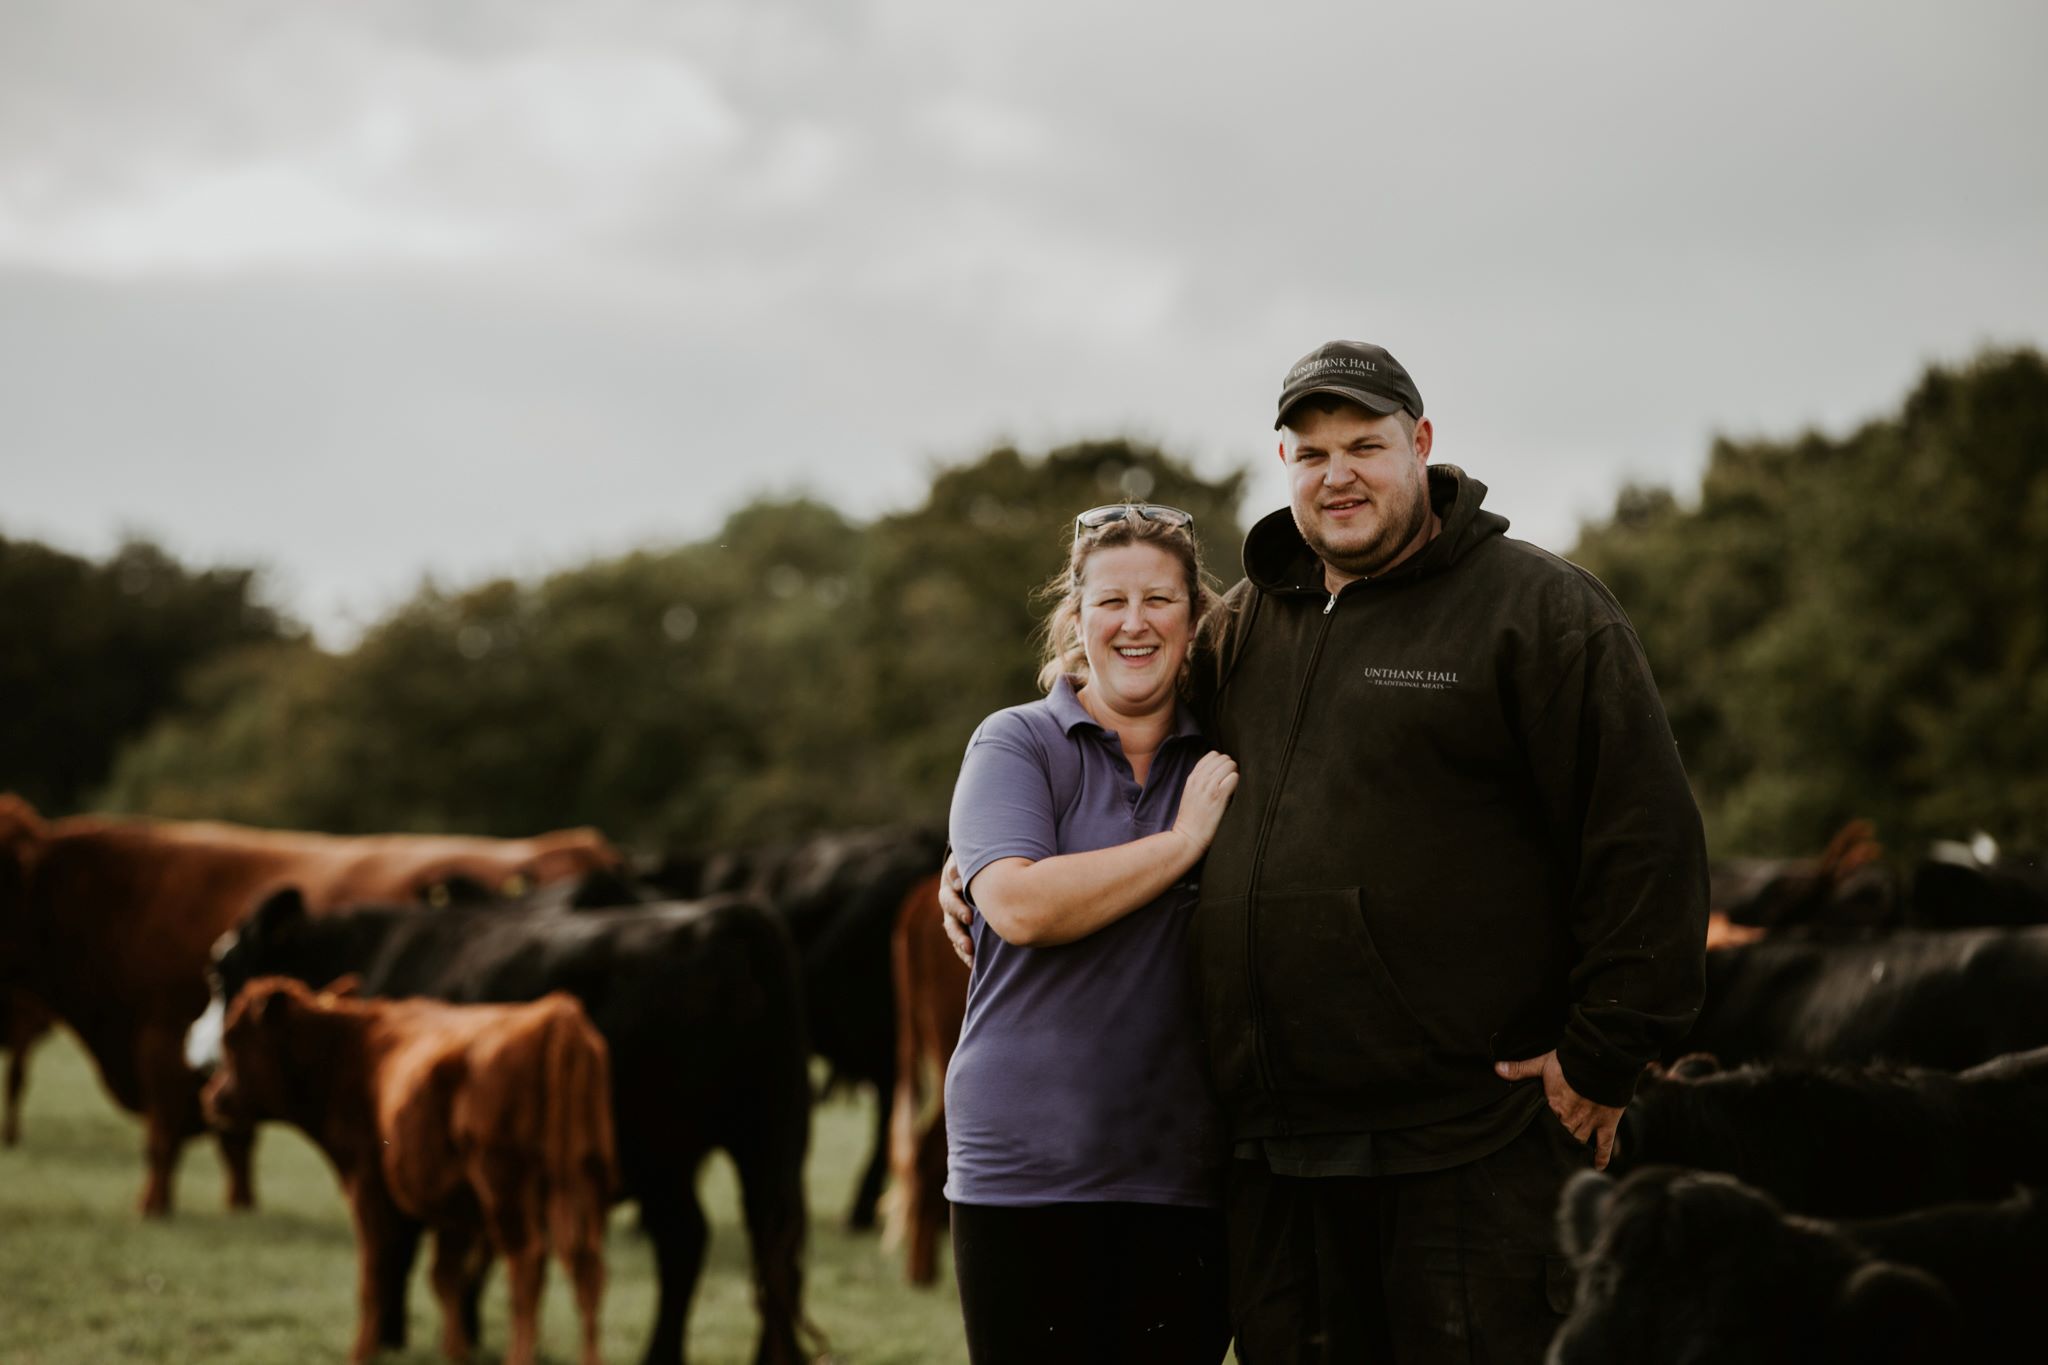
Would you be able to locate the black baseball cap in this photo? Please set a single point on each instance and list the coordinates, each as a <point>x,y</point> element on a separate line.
<point>1357,370</point>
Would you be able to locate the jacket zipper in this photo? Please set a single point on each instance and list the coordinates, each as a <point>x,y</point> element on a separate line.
<point>1251,904</point>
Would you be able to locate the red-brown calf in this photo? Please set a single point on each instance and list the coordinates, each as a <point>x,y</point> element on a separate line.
<point>488,1124</point>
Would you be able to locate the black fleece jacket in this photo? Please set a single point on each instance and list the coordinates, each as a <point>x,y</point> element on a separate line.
<point>1461,834</point>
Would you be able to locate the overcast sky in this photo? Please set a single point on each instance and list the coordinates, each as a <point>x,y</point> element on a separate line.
<point>365,290</point>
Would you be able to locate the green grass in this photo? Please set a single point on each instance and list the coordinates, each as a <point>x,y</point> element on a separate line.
<point>84,1280</point>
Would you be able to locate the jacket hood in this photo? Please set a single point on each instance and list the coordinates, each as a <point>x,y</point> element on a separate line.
<point>1277,559</point>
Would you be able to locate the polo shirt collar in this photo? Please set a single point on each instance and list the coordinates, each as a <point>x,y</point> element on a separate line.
<point>1066,708</point>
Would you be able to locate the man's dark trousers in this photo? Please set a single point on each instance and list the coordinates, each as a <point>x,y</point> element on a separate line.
<point>1451,1267</point>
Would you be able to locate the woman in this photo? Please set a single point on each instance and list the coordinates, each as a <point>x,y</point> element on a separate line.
<point>1083,1151</point>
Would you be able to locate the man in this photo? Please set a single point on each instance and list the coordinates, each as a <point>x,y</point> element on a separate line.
<point>1458,901</point>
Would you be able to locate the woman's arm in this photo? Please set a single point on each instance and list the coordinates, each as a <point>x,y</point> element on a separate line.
<point>1036,904</point>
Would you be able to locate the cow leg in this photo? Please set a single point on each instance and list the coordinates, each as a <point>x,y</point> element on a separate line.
<point>586,1271</point>
<point>401,1248</point>
<point>460,1257</point>
<point>525,1271</point>
<point>237,1146</point>
<point>17,1077</point>
<point>868,1193</point>
<point>518,1239</point>
<point>510,1194</point>
<point>386,1242</point>
<point>674,1223</point>
<point>170,1111</point>
<point>473,1295</point>
<point>161,1145</point>
<point>772,1192</point>
<point>577,1225</point>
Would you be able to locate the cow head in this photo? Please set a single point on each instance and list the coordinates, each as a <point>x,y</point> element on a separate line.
<point>1678,1267</point>
<point>262,944</point>
<point>269,1062</point>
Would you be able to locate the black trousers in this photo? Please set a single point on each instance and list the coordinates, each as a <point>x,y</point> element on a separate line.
<point>1453,1267</point>
<point>1091,1284</point>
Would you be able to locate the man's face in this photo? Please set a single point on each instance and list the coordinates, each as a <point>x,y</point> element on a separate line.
<point>1359,487</point>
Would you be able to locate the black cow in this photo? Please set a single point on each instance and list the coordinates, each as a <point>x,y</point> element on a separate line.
<point>699,1006</point>
<point>1843,1142</point>
<point>1682,1267</point>
<point>1946,999</point>
<point>1847,886</point>
<point>839,895</point>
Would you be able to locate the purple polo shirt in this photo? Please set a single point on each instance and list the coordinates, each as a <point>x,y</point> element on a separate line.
<point>1078,1076</point>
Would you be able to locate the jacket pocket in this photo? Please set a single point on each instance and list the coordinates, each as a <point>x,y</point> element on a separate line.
<point>1217,943</point>
<point>1334,1018</point>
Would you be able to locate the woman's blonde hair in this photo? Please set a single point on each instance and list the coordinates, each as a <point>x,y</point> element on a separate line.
<point>1060,647</point>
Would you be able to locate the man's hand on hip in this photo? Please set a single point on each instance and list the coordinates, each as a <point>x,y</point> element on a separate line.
<point>954,912</point>
<point>1582,1118</point>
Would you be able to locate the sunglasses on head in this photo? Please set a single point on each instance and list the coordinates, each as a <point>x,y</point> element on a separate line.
<point>1095,518</point>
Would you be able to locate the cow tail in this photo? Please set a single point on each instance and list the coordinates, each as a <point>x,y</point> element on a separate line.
<point>582,1159</point>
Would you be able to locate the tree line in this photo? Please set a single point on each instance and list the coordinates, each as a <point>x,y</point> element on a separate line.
<point>796,670</point>
<point>1857,626</point>
<point>1852,626</point>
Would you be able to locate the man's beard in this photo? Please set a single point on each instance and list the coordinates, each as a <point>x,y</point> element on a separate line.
<point>1396,532</point>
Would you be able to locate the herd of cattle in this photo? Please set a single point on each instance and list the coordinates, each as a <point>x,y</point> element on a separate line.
<point>1842,1165</point>
<point>494,1040</point>
<point>355,987</point>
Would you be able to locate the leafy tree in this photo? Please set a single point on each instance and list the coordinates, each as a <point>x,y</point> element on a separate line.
<point>253,724</point>
<point>93,652</point>
<point>640,693</point>
<point>1858,626</point>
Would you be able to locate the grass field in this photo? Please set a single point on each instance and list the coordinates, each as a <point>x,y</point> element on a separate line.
<point>84,1281</point>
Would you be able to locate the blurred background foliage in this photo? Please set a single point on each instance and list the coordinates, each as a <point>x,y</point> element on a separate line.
<point>1841,627</point>
<point>1857,627</point>
<point>793,672</point>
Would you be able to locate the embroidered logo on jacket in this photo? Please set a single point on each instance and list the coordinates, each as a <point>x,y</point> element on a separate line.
<point>1429,679</point>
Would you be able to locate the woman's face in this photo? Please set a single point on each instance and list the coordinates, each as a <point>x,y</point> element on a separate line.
<point>1135,626</point>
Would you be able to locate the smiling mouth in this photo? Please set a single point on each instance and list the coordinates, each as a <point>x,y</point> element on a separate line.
<point>1137,651</point>
<point>1349,505</point>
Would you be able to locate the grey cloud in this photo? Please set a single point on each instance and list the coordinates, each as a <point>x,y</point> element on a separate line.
<point>539,279</point>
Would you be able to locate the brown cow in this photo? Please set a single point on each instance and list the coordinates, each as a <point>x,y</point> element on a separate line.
<point>490,1125</point>
<point>931,1000</point>
<point>111,923</point>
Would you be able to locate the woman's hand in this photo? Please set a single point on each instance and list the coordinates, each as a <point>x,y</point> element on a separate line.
<point>956,916</point>
<point>1205,797</point>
